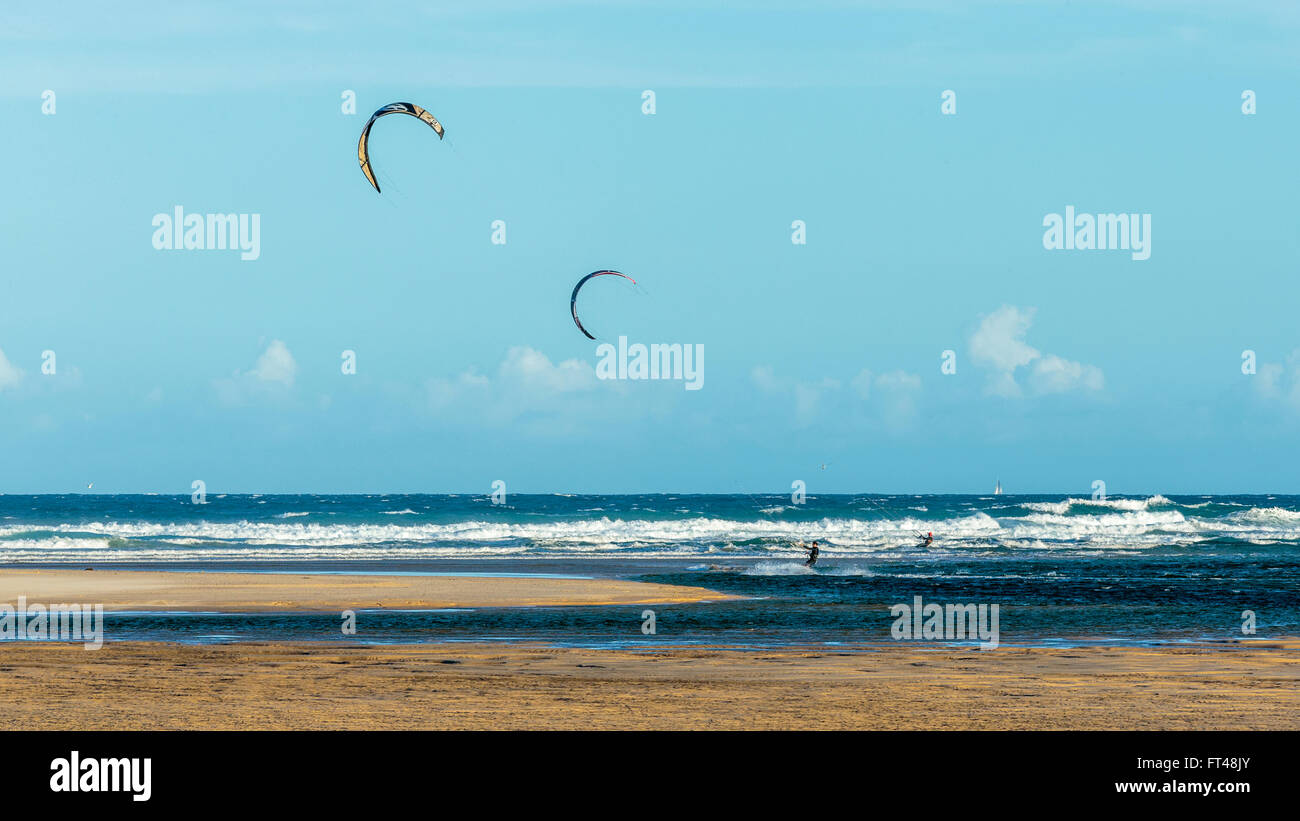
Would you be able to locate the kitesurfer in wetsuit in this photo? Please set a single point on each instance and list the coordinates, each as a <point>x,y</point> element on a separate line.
<point>929,538</point>
<point>812,554</point>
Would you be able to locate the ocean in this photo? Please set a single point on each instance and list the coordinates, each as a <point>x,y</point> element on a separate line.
<point>1061,570</point>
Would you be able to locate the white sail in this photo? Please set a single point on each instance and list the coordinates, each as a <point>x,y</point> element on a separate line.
<point>997,488</point>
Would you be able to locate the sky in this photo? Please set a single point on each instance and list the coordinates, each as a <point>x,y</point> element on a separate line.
<point>923,233</point>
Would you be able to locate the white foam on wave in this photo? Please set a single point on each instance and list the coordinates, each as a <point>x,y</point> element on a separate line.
<point>589,532</point>
<point>779,569</point>
<point>1062,507</point>
<point>1113,523</point>
<point>847,570</point>
<point>1136,526</point>
<point>19,549</point>
<point>1266,516</point>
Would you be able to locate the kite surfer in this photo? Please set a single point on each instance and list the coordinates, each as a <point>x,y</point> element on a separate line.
<point>813,552</point>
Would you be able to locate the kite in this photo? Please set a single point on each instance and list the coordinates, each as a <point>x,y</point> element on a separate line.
<point>363,145</point>
<point>573,298</point>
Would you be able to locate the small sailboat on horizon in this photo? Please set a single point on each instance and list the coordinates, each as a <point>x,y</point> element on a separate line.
<point>997,488</point>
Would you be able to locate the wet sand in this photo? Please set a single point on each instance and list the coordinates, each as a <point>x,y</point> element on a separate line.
<point>244,592</point>
<point>137,685</point>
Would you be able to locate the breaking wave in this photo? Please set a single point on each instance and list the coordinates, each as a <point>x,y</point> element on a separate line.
<point>1084,526</point>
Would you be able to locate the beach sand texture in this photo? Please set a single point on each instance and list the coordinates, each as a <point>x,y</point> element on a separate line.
<point>324,593</point>
<point>147,685</point>
<point>508,687</point>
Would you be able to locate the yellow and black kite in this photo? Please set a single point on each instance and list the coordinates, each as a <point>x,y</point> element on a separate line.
<point>363,145</point>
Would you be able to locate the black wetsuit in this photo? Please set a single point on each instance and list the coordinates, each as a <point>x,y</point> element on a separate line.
<point>812,555</point>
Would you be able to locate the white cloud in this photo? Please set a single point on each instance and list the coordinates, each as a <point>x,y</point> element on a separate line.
<point>1052,374</point>
<point>275,364</point>
<point>998,344</point>
<point>10,374</point>
<point>525,381</point>
<point>1268,380</point>
<point>531,369</point>
<point>998,341</point>
<point>444,393</point>
<point>895,381</point>
<point>765,379</point>
<point>272,375</point>
<point>807,396</point>
<point>1280,382</point>
<point>893,394</point>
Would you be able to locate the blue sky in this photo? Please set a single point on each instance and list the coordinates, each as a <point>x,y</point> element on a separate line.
<point>924,234</point>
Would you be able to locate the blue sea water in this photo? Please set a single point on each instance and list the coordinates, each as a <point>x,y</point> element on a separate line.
<point>1061,570</point>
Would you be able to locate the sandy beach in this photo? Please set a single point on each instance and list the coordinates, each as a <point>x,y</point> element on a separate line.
<point>338,685</point>
<point>244,592</point>
<point>460,686</point>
